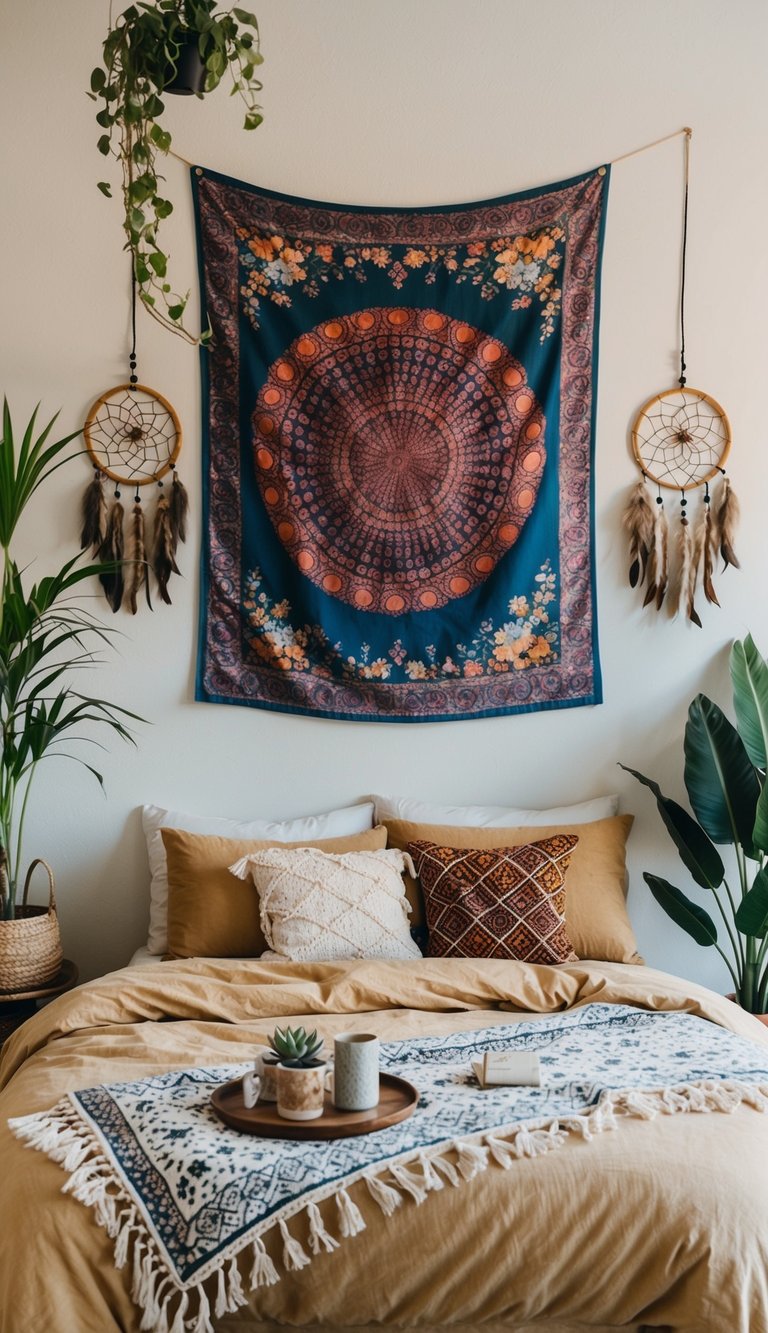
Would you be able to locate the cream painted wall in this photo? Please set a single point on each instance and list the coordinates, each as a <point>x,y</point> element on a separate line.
<point>403,102</point>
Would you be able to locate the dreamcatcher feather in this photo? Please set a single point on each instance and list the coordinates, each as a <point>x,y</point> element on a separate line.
<point>680,439</point>
<point>111,553</point>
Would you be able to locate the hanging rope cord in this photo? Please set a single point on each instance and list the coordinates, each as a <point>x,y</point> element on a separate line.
<point>133,379</point>
<point>681,381</point>
<point>623,157</point>
<point>688,132</point>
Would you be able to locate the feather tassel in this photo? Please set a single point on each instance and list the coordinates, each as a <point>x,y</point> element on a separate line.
<point>638,520</point>
<point>137,558</point>
<point>658,559</point>
<point>726,518</point>
<point>697,550</point>
<point>111,552</point>
<point>684,557</point>
<point>662,572</point>
<point>94,528</point>
<point>708,553</point>
<point>179,509</point>
<point>164,563</point>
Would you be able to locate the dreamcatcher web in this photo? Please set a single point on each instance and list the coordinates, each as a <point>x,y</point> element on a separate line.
<point>681,438</point>
<point>133,435</point>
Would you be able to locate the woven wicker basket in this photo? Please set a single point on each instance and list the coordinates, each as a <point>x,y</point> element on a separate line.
<point>30,945</point>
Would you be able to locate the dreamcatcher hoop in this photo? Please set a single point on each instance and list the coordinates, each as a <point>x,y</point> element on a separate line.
<point>130,428</point>
<point>685,442</point>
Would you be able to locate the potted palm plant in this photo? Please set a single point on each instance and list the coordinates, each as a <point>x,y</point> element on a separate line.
<point>725,778</point>
<point>45,638</point>
<point>172,46</point>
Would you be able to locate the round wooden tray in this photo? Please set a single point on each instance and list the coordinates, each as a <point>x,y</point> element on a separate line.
<point>397,1100</point>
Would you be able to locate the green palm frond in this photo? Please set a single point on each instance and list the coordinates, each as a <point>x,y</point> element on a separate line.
<point>46,636</point>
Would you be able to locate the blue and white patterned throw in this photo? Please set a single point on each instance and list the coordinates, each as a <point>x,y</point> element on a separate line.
<point>183,1195</point>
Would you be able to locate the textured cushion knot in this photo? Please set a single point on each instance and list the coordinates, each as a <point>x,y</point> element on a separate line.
<point>317,905</point>
<point>505,902</point>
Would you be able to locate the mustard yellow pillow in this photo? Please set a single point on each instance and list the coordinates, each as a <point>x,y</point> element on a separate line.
<point>211,914</point>
<point>595,909</point>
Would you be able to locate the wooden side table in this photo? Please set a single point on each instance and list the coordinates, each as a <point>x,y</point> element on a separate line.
<point>17,1006</point>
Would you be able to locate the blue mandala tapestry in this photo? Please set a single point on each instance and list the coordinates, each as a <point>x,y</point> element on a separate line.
<point>399,412</point>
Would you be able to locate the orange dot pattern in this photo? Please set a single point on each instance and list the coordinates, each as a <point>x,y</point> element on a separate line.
<point>399,454</point>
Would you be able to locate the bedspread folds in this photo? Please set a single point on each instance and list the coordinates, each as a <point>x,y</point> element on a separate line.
<point>659,1225</point>
<point>244,991</point>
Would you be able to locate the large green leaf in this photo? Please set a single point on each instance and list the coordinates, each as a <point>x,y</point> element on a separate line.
<point>698,854</point>
<point>749,676</point>
<point>692,918</point>
<point>760,830</point>
<point>722,785</point>
<point>752,913</point>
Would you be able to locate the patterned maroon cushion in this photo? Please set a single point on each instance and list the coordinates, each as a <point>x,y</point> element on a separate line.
<point>506,902</point>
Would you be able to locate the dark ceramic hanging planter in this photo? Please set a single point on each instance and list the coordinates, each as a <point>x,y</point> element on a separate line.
<point>190,73</point>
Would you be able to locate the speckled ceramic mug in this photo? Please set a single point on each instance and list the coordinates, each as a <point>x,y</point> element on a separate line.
<point>355,1071</point>
<point>301,1091</point>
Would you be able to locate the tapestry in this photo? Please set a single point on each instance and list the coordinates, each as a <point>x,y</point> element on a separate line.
<point>398,413</point>
<point>183,1196</point>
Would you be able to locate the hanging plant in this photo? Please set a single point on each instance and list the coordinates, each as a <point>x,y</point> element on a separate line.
<point>173,46</point>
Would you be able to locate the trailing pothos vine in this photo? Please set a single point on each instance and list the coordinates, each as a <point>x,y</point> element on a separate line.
<point>140,59</point>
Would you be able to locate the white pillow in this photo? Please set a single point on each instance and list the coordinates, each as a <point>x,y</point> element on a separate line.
<point>322,906</point>
<point>492,816</point>
<point>336,824</point>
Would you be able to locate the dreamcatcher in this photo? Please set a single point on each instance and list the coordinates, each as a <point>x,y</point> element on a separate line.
<point>681,439</point>
<point>133,437</point>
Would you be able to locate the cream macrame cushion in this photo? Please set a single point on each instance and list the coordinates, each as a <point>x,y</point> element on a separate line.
<point>336,824</point>
<point>320,906</point>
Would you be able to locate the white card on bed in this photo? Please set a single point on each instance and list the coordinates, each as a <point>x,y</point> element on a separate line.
<point>512,1068</point>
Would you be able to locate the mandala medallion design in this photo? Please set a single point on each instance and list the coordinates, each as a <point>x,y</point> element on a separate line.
<point>399,453</point>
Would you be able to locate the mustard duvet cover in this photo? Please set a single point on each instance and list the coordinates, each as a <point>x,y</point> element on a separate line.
<point>662,1224</point>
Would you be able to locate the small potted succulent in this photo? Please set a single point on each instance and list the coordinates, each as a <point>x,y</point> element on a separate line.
<point>301,1073</point>
<point>172,46</point>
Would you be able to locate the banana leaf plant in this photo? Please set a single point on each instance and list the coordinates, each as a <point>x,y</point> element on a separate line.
<point>45,638</point>
<point>725,778</point>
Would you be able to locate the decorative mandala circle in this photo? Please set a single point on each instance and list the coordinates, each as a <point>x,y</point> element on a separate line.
<point>399,453</point>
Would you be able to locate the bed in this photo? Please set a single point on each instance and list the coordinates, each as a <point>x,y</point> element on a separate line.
<point>550,1223</point>
<point>661,1224</point>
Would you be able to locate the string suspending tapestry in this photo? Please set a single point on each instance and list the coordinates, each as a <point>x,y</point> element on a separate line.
<point>399,417</point>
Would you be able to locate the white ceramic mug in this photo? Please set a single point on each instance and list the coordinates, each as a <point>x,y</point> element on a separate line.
<point>355,1071</point>
<point>260,1085</point>
<point>251,1089</point>
<point>265,1068</point>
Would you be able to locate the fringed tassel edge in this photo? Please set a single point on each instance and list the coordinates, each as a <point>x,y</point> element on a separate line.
<point>168,1308</point>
